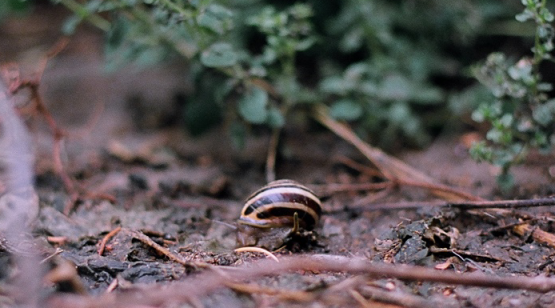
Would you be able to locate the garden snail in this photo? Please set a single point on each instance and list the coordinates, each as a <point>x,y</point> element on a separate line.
<point>275,212</point>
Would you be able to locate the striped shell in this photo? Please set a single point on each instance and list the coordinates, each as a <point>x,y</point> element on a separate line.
<point>275,204</point>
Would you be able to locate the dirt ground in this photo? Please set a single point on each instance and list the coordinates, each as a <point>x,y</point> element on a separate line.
<point>185,193</point>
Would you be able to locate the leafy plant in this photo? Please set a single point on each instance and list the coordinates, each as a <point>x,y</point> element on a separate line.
<point>520,112</point>
<point>375,72</point>
<point>374,63</point>
<point>8,7</point>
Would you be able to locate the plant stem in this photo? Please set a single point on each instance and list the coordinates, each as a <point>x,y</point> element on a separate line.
<point>83,13</point>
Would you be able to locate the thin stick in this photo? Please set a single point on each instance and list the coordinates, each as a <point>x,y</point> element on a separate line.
<point>397,298</point>
<point>113,285</point>
<point>327,189</point>
<point>322,263</point>
<point>466,205</point>
<point>298,296</point>
<point>392,168</point>
<point>16,84</point>
<point>360,299</point>
<point>537,234</point>
<point>210,281</point>
<point>272,153</point>
<point>106,239</point>
<point>166,252</point>
<point>358,166</point>
<point>440,187</point>
<point>257,249</point>
<point>52,255</point>
<point>375,197</point>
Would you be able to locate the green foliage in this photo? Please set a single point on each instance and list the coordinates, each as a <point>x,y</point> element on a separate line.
<point>219,55</point>
<point>519,110</point>
<point>374,63</point>
<point>9,7</point>
<point>253,106</point>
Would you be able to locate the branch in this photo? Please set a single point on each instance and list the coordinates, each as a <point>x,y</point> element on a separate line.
<point>392,168</point>
<point>210,281</point>
<point>466,205</point>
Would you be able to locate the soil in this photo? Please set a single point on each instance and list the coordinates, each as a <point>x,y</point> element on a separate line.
<point>185,194</point>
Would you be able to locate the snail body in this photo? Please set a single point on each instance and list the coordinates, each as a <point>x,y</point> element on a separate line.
<point>275,212</point>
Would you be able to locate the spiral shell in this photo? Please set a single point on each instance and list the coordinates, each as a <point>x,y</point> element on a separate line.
<point>274,207</point>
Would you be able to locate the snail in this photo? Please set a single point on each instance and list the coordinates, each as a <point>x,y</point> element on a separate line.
<point>275,213</point>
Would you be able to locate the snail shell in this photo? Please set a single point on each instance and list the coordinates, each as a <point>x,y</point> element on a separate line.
<point>270,213</point>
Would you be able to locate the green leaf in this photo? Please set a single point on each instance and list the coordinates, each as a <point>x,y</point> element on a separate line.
<point>301,11</point>
<point>70,24</point>
<point>346,109</point>
<point>216,18</point>
<point>219,55</point>
<point>117,34</point>
<point>428,95</point>
<point>399,113</point>
<point>545,32</point>
<point>333,85</point>
<point>253,106</point>
<point>479,151</point>
<point>19,5</point>
<point>305,44</point>
<point>506,120</point>
<point>546,14</point>
<point>524,16</point>
<point>543,114</point>
<point>275,118</point>
<point>395,87</point>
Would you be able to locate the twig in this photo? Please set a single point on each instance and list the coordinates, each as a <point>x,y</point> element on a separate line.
<point>358,166</point>
<point>209,281</point>
<point>83,12</point>
<point>537,234</point>
<point>440,187</point>
<point>375,197</point>
<point>258,249</point>
<point>113,285</point>
<point>166,252</point>
<point>52,255</point>
<point>328,189</point>
<point>58,240</point>
<point>321,263</point>
<point>360,299</point>
<point>469,255</point>
<point>272,153</point>
<point>466,205</point>
<point>397,298</point>
<point>298,296</point>
<point>10,73</point>
<point>502,204</point>
<point>106,239</point>
<point>392,168</point>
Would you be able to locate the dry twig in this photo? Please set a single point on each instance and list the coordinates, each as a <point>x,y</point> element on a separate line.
<point>272,154</point>
<point>298,296</point>
<point>537,234</point>
<point>11,75</point>
<point>397,298</point>
<point>358,166</point>
<point>463,205</point>
<point>210,281</point>
<point>257,249</point>
<point>106,238</point>
<point>392,168</point>
<point>166,252</point>
<point>329,189</point>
